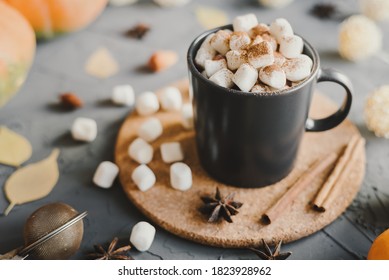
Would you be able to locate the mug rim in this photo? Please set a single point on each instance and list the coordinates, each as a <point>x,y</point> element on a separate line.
<point>194,70</point>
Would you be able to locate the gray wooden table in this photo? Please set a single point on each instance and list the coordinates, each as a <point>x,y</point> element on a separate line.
<point>58,67</point>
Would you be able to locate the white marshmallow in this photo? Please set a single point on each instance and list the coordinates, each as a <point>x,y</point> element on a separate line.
<point>258,88</point>
<point>297,69</point>
<point>307,59</point>
<point>235,59</point>
<point>273,76</point>
<point>140,151</point>
<point>123,95</point>
<point>260,55</point>
<point>245,23</point>
<point>171,99</point>
<point>221,42</point>
<point>279,59</point>
<point>147,103</point>
<point>223,78</point>
<point>84,129</point>
<point>180,176</point>
<point>142,236</point>
<point>246,77</point>
<point>271,40</point>
<point>239,40</point>
<point>280,27</point>
<point>171,152</point>
<point>291,46</point>
<point>212,66</point>
<point>257,40</point>
<point>259,30</point>
<point>105,174</point>
<point>143,177</point>
<point>150,129</point>
<point>187,116</point>
<point>171,3</point>
<point>205,52</point>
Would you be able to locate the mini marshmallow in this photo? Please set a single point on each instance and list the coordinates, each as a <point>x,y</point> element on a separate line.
<point>187,116</point>
<point>140,151</point>
<point>245,23</point>
<point>171,99</point>
<point>105,174</point>
<point>239,40</point>
<point>143,177</point>
<point>259,88</point>
<point>275,3</point>
<point>246,77</point>
<point>171,152</point>
<point>84,129</point>
<point>235,59</point>
<point>142,236</point>
<point>123,95</point>
<point>180,176</point>
<point>223,78</point>
<point>221,42</point>
<point>271,40</point>
<point>147,103</point>
<point>291,46</point>
<point>359,38</point>
<point>259,30</point>
<point>307,60</point>
<point>279,59</point>
<point>257,40</point>
<point>212,66</point>
<point>150,129</point>
<point>297,69</point>
<point>260,55</point>
<point>205,52</point>
<point>280,27</point>
<point>273,76</point>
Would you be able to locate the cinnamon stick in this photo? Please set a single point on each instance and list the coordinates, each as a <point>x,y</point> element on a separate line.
<point>304,181</point>
<point>328,186</point>
<point>331,197</point>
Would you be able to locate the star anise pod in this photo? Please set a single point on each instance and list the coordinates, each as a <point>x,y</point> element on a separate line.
<point>268,254</point>
<point>111,253</point>
<point>220,207</point>
<point>138,31</point>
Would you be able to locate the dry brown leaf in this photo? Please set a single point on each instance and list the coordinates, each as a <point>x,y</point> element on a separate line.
<point>211,17</point>
<point>14,148</point>
<point>32,182</point>
<point>101,64</point>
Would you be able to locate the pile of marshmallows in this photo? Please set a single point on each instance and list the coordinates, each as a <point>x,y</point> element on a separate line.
<point>255,57</point>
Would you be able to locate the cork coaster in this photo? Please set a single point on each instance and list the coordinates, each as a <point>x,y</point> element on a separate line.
<point>177,211</point>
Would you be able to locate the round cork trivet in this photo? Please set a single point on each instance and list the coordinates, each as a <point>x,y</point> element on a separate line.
<point>178,213</point>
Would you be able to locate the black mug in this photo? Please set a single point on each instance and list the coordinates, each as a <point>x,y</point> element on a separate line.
<point>251,140</point>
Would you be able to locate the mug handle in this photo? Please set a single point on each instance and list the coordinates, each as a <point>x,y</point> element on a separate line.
<point>331,75</point>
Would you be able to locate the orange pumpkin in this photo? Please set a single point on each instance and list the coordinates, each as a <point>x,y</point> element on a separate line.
<point>52,17</point>
<point>17,49</point>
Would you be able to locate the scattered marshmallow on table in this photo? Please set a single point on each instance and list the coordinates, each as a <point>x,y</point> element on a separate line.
<point>220,42</point>
<point>142,236</point>
<point>150,129</point>
<point>171,99</point>
<point>223,78</point>
<point>246,77</point>
<point>280,27</point>
<point>273,76</point>
<point>245,23</point>
<point>143,177</point>
<point>123,95</point>
<point>239,41</point>
<point>141,151</point>
<point>180,176</point>
<point>172,152</point>
<point>84,129</point>
<point>187,116</point>
<point>260,55</point>
<point>105,174</point>
<point>147,103</point>
<point>297,69</point>
<point>291,46</point>
<point>235,59</point>
<point>205,52</point>
<point>212,66</point>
